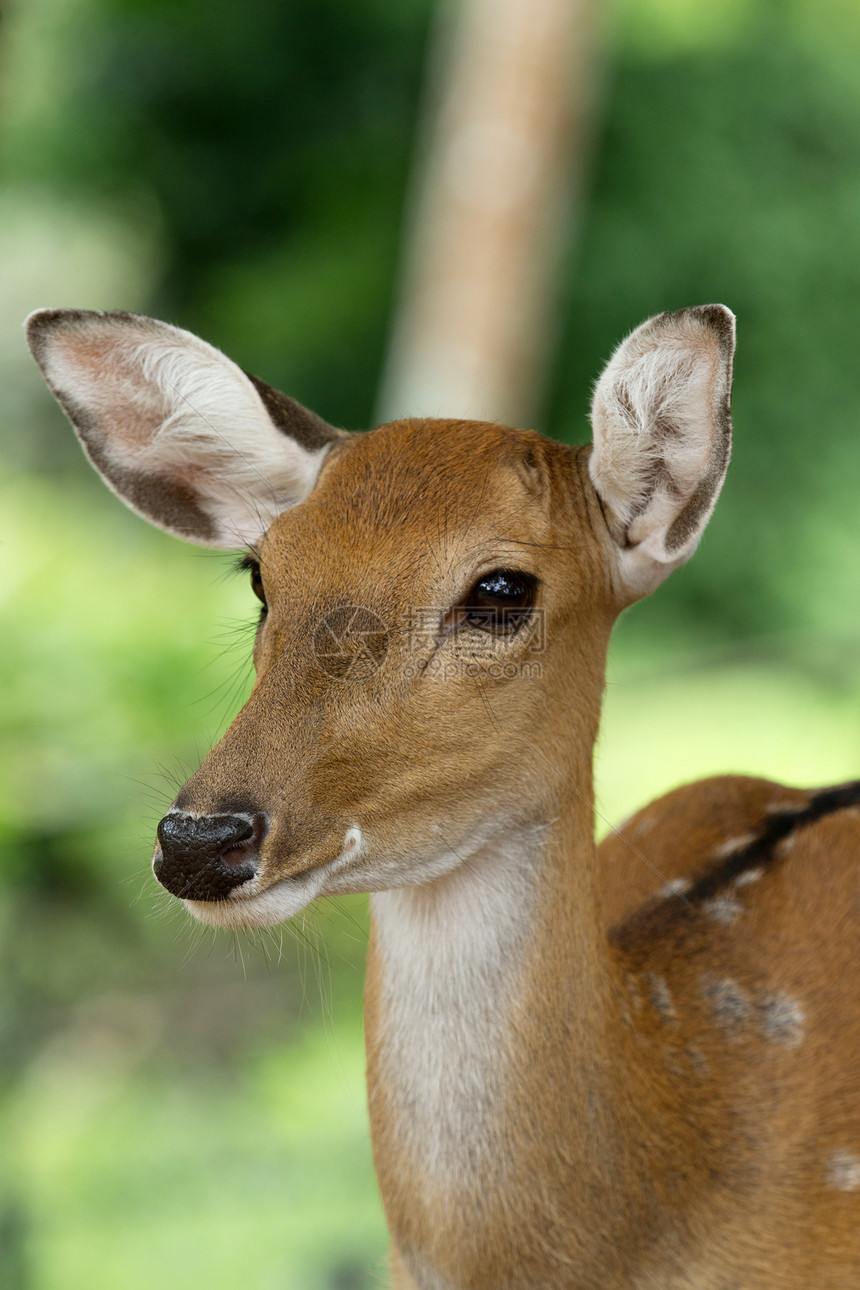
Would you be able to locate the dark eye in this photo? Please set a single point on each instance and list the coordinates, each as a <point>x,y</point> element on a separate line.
<point>257,584</point>
<point>500,602</point>
<point>252,566</point>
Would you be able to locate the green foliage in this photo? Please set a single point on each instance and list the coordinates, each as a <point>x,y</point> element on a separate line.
<point>272,148</point>
<point>261,1178</point>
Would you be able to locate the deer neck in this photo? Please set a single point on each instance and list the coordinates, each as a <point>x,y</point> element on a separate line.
<point>491,1018</point>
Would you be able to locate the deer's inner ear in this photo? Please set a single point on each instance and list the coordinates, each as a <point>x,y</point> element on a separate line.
<point>175,428</point>
<point>662,439</point>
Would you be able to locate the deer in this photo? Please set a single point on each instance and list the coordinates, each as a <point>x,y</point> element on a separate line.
<point>635,1065</point>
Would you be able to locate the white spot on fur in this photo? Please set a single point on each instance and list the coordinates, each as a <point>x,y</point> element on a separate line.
<point>661,996</point>
<point>749,876</point>
<point>644,824</point>
<point>782,1019</point>
<point>843,1171</point>
<point>723,909</point>
<point>675,887</point>
<point>732,845</point>
<point>785,806</point>
<point>353,843</point>
<point>730,1005</point>
<point>635,826</point>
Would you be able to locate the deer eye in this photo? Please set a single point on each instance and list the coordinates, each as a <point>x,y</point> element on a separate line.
<point>499,602</point>
<point>252,566</point>
<point>257,585</point>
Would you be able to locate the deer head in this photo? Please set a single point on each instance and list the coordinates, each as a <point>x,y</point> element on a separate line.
<point>437,595</point>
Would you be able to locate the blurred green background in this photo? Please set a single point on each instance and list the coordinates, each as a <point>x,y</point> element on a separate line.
<point>186,1109</point>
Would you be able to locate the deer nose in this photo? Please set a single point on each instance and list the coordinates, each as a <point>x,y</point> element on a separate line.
<point>203,857</point>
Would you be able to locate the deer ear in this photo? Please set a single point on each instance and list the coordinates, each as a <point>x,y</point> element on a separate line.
<point>176,429</point>
<point>662,439</point>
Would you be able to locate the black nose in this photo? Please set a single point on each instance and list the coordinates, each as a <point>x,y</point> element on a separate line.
<point>203,857</point>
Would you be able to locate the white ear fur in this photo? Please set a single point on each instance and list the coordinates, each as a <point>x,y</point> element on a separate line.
<point>662,439</point>
<point>175,428</point>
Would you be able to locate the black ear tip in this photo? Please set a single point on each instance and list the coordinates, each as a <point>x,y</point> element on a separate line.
<point>37,326</point>
<point>44,324</point>
<point>40,319</point>
<point>41,323</point>
<point>720,317</point>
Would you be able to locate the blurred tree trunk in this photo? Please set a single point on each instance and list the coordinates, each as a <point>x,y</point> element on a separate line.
<point>498,181</point>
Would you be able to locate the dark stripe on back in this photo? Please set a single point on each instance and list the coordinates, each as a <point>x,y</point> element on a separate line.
<point>659,915</point>
<point>761,851</point>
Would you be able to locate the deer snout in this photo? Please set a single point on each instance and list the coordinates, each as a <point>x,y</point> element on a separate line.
<point>203,857</point>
